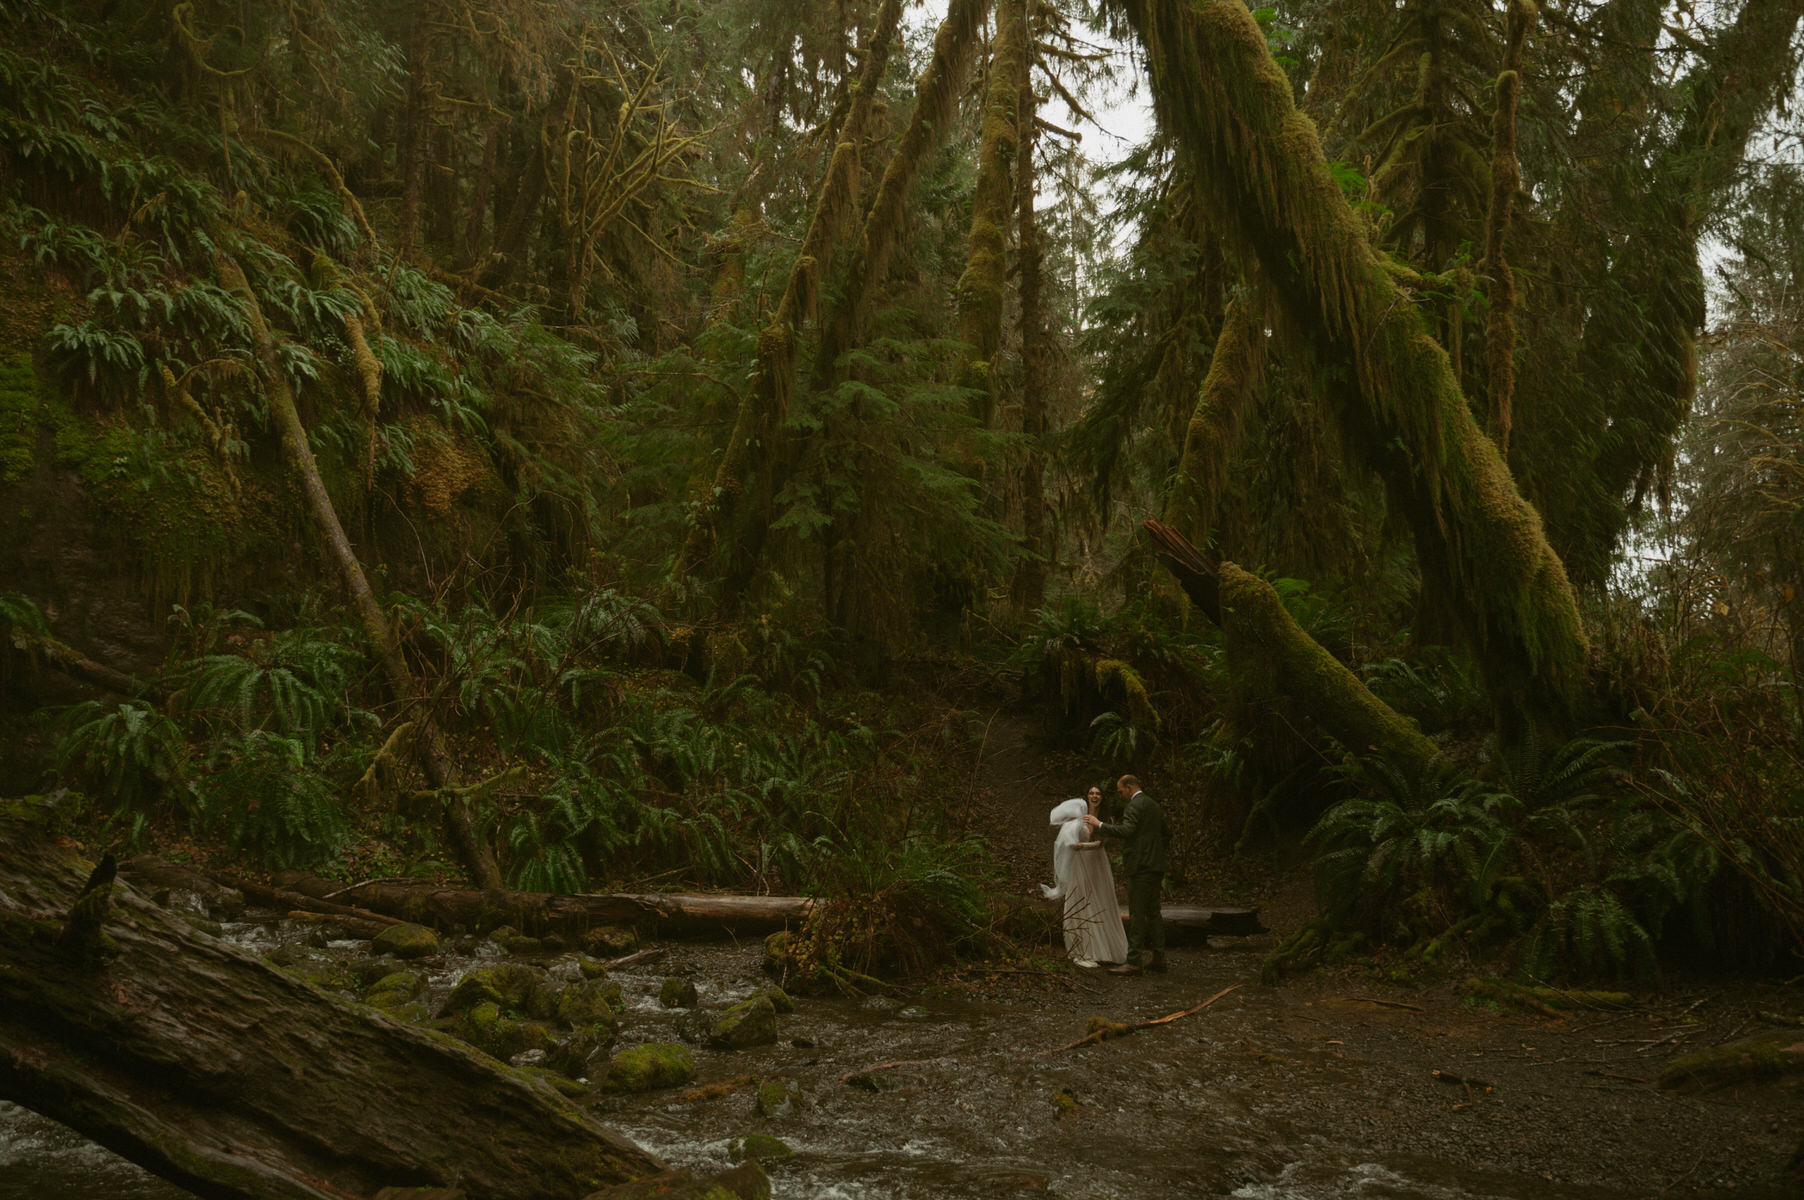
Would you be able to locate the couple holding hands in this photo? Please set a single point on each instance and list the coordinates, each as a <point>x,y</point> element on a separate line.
<point>1093,932</point>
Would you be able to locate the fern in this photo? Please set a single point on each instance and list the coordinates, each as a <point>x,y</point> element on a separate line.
<point>270,802</point>
<point>1589,930</point>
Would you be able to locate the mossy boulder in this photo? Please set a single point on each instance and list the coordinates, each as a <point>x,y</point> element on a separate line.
<point>779,1096</point>
<point>394,990</point>
<point>571,1057</point>
<point>749,1023</point>
<point>678,993</point>
<point>780,999</point>
<point>513,987</point>
<point>649,1067</point>
<point>758,1147</point>
<point>407,941</point>
<point>588,1002</point>
<point>490,1030</point>
<point>610,941</point>
<point>591,968</point>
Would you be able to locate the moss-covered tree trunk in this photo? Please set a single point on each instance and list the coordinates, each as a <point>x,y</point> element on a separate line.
<point>1029,586</point>
<point>1257,157</point>
<point>734,512</point>
<point>218,1072</point>
<point>1644,363</point>
<point>985,278</point>
<point>435,758</point>
<point>936,101</point>
<point>1270,657</point>
<point>1506,181</point>
<point>1214,430</point>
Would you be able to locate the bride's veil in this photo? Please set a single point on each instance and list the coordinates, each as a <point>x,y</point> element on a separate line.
<point>1067,819</point>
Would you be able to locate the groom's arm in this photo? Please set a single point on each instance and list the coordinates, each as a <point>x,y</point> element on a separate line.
<point>1129,822</point>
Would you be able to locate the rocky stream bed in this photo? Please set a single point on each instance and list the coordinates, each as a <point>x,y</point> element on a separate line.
<point>1327,1086</point>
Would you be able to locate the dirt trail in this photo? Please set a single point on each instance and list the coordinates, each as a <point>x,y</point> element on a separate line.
<point>1013,788</point>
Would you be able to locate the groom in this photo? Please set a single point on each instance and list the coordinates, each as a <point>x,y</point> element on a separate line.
<point>1142,831</point>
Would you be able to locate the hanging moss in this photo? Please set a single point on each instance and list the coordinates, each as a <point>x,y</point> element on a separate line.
<point>167,503</point>
<point>1214,429</point>
<point>1112,675</point>
<point>984,282</point>
<point>1506,181</point>
<point>722,520</point>
<point>1481,546</point>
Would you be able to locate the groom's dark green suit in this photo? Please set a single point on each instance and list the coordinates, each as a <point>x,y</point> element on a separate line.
<point>1143,834</point>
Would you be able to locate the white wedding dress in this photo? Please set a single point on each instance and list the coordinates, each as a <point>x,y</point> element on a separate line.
<point>1093,931</point>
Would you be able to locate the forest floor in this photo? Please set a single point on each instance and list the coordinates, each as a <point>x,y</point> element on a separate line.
<point>1344,1066</point>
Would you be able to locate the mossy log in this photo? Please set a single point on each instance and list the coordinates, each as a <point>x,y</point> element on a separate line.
<point>1743,1062</point>
<point>1269,655</point>
<point>297,452</point>
<point>220,1073</point>
<point>1259,163</point>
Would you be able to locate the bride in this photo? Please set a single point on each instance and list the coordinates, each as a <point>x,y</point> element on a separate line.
<point>1080,869</point>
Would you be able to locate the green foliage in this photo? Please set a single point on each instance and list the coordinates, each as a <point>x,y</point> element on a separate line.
<point>1588,930</point>
<point>895,908</point>
<point>130,757</point>
<point>266,796</point>
<point>1434,836</point>
<point>292,684</point>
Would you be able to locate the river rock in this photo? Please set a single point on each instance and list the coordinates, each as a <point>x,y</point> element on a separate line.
<point>779,1096</point>
<point>512,986</point>
<point>749,1023</point>
<point>572,1056</point>
<point>394,990</point>
<point>678,993</point>
<point>587,1003</point>
<point>780,999</point>
<point>649,1067</point>
<point>487,1028</point>
<point>407,941</point>
<point>758,1148</point>
<point>746,1181</point>
<point>610,941</point>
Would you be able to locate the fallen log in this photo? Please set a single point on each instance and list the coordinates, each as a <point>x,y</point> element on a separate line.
<point>536,913</point>
<point>220,1073</point>
<point>668,914</point>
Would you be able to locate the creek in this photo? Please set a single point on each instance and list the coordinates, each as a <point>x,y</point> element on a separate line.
<point>1293,1093</point>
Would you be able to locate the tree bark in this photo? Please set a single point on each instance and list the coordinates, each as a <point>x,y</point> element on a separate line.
<point>221,1074</point>
<point>1479,543</point>
<point>435,758</point>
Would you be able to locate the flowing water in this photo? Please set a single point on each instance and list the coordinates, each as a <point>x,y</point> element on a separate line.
<point>1270,1094</point>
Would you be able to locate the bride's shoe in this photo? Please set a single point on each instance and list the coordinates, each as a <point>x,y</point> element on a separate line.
<point>1086,963</point>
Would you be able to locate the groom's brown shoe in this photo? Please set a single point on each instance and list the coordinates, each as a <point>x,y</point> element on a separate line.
<point>1127,968</point>
<point>1158,962</point>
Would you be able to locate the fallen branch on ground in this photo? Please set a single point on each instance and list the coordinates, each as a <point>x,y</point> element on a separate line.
<point>1415,1008</point>
<point>1113,1030</point>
